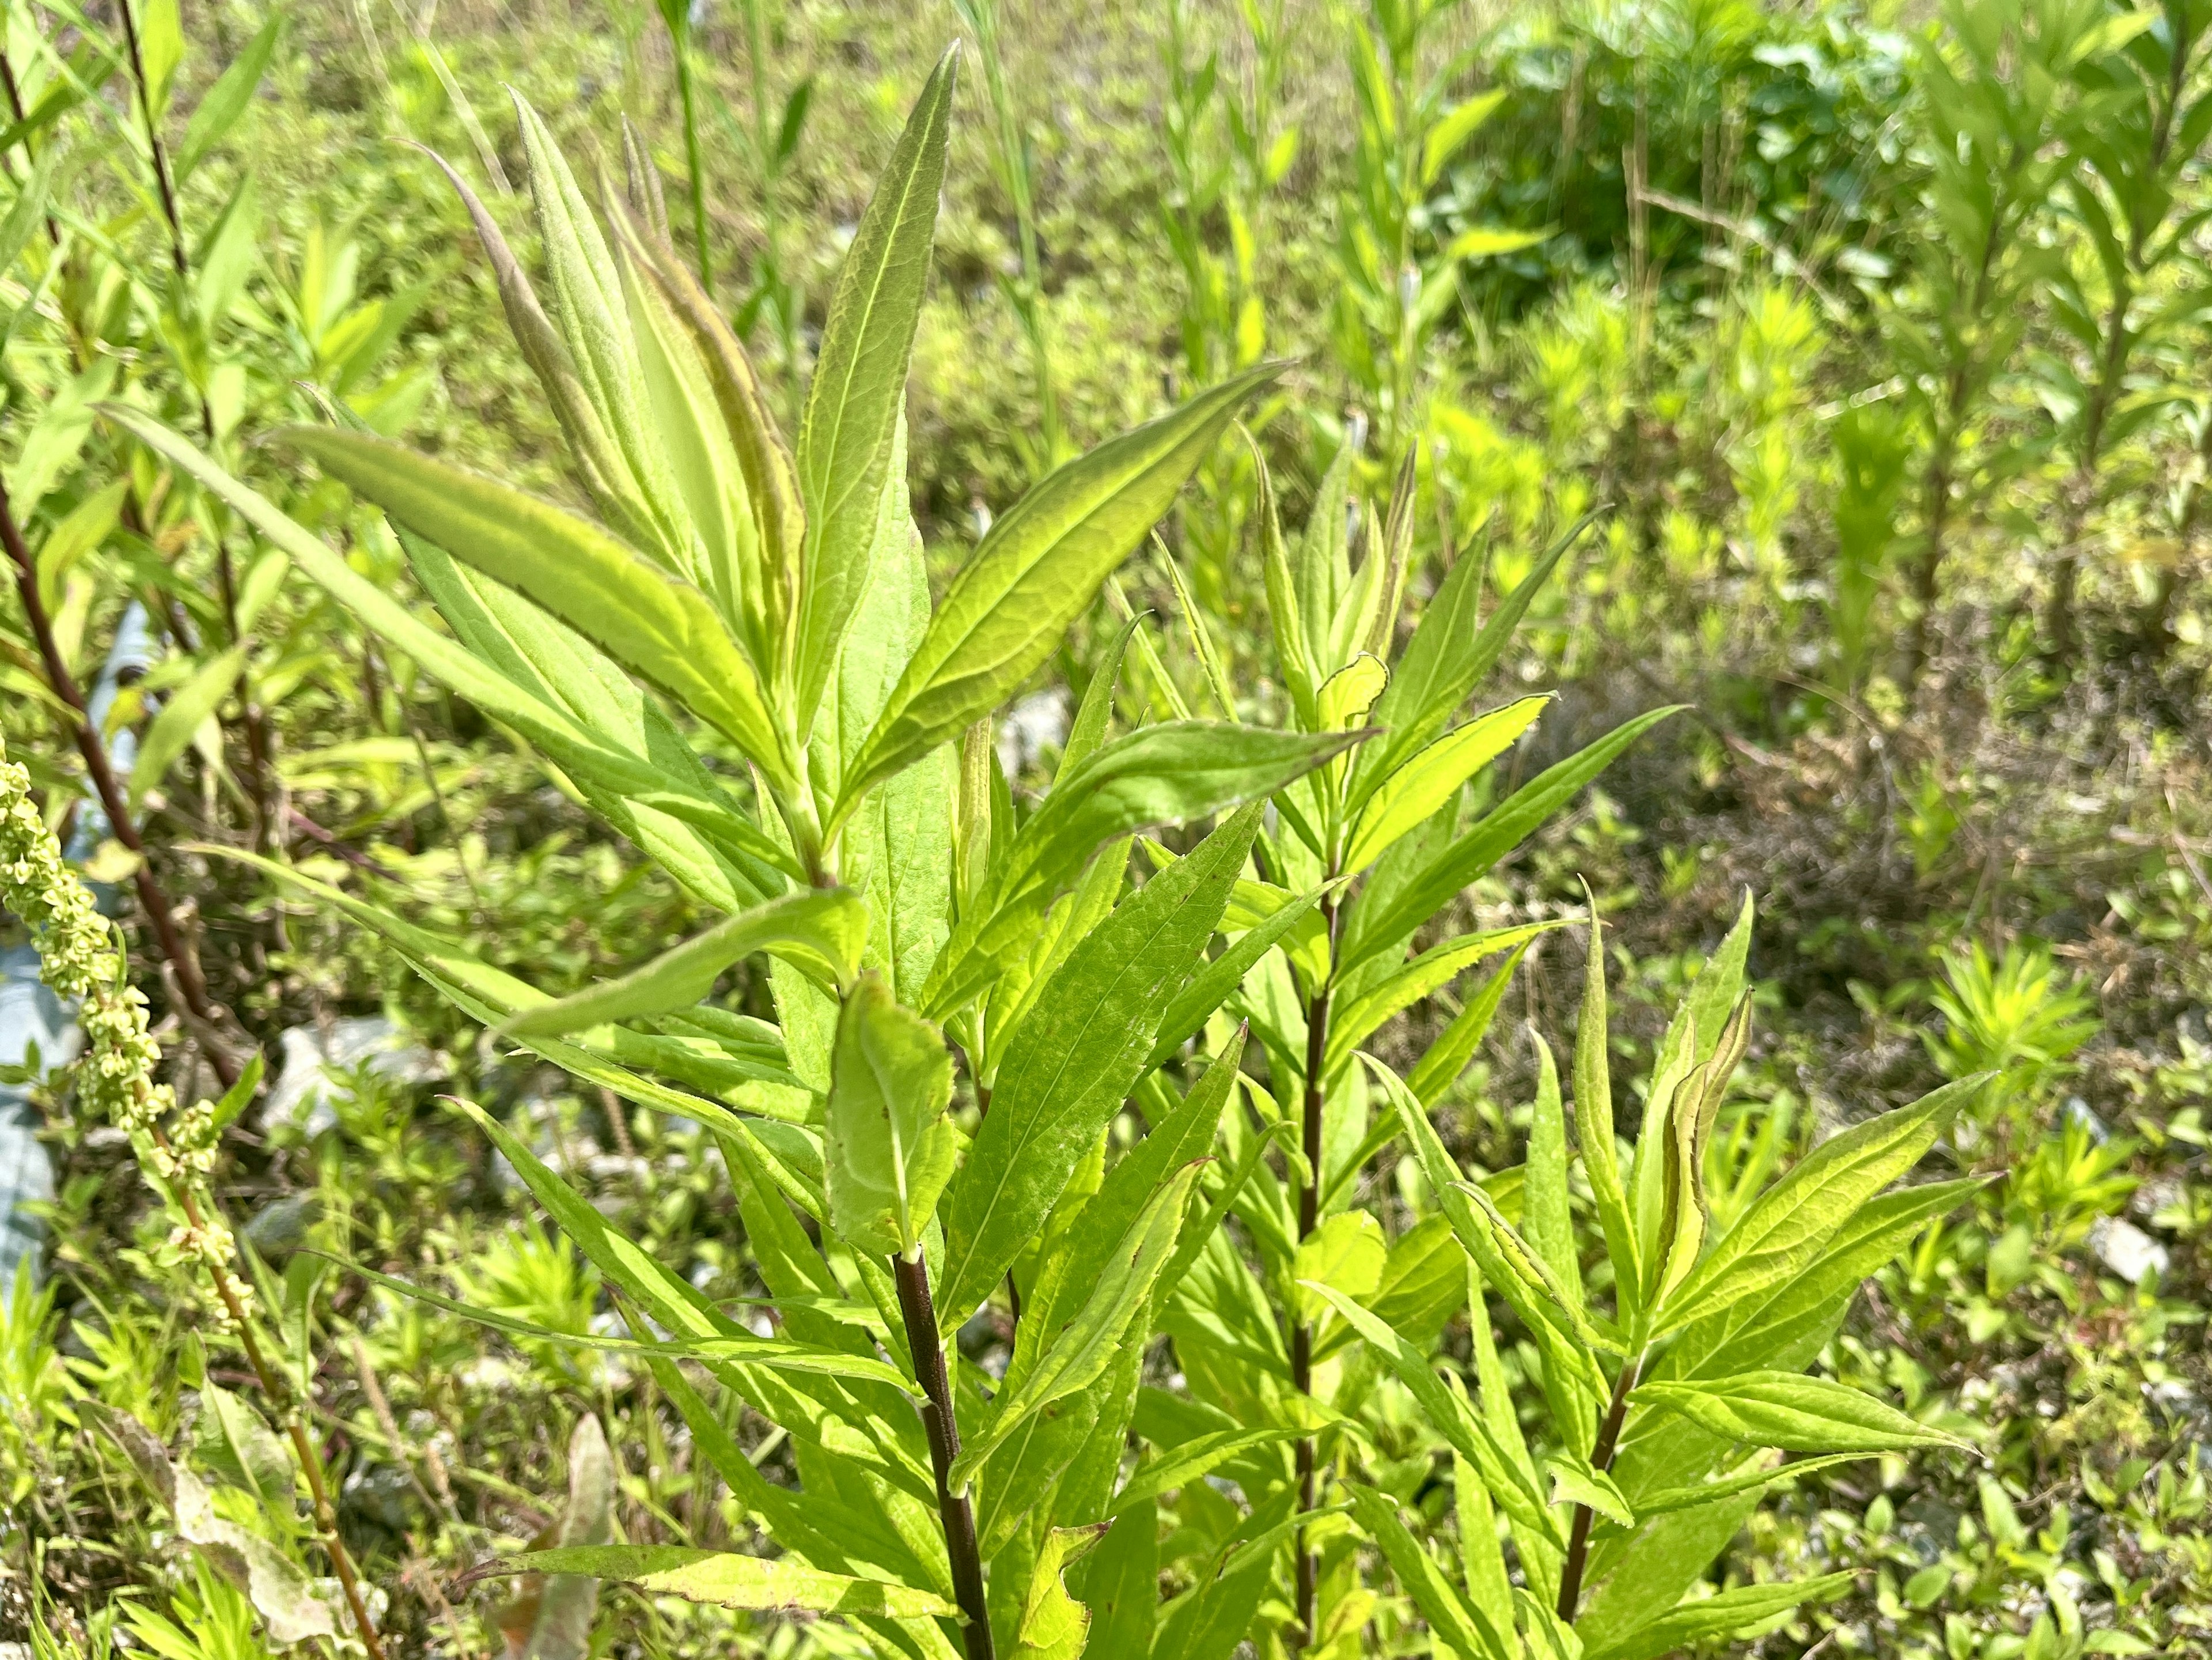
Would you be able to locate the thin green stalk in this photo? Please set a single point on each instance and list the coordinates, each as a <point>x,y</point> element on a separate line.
<point>694,162</point>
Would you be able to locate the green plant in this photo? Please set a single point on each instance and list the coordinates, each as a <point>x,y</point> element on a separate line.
<point>2136,287</point>
<point>1999,111</point>
<point>1657,1405</point>
<point>1400,276</point>
<point>2014,1016</point>
<point>778,598</point>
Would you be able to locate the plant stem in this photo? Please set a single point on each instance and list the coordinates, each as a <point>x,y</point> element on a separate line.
<point>191,984</point>
<point>161,179</point>
<point>1608,1439</point>
<point>256,731</point>
<point>693,162</point>
<point>957,1510</point>
<point>303,1449</point>
<point>1309,1219</point>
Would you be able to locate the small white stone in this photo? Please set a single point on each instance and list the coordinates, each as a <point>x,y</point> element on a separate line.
<point>2126,1250</point>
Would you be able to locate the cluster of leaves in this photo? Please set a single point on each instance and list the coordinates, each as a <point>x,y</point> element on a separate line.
<point>985,1285</point>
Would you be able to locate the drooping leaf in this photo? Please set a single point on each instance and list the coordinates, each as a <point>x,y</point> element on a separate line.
<point>821,931</point>
<point>1054,1625</point>
<point>1512,1483</point>
<point>1121,1583</point>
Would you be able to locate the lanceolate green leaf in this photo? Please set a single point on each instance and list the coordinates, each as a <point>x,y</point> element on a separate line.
<point>1157,775</point>
<point>600,466</point>
<point>1511,1485</point>
<point>1447,1057</point>
<point>776,1354</point>
<point>821,931</point>
<point>1177,1138</point>
<point>1033,573</point>
<point>1466,1630</point>
<point>687,827</point>
<point>1666,1499</point>
<point>1472,855</point>
<point>1433,967</point>
<point>1770,1330</point>
<point>1719,1616</point>
<point>1076,1059</point>
<point>1793,1412</point>
<point>1088,730</point>
<point>890,1147</point>
<point>1446,659</point>
<point>1506,1261</point>
<point>1191,1462</point>
<point>1425,781</point>
<point>859,386</point>
<point>1213,983</point>
<point>587,302</point>
<point>187,708</point>
<point>733,1580</point>
<point>652,624</point>
<point>1785,1229</point>
<point>1078,1356</point>
<point>218,111</point>
<point>1594,1126</point>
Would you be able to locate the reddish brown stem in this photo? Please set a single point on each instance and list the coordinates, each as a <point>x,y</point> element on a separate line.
<point>956,1511</point>
<point>1309,1219</point>
<point>191,985</point>
<point>1609,1441</point>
